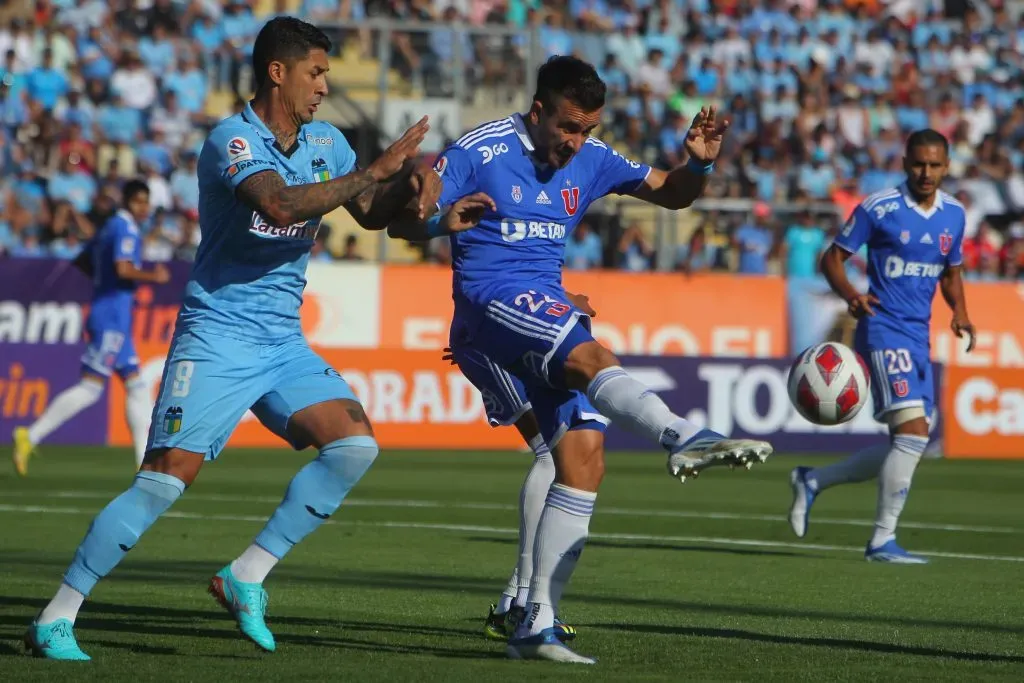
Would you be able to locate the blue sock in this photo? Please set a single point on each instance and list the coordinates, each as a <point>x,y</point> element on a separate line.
<point>118,527</point>
<point>316,492</point>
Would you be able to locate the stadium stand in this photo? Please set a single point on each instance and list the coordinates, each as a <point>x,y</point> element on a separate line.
<point>821,94</point>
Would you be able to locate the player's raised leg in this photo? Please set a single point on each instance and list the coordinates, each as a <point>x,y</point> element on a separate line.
<point>311,405</point>
<point>592,368</point>
<point>808,482</point>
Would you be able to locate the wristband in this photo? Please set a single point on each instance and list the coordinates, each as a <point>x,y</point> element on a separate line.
<point>693,165</point>
<point>435,228</point>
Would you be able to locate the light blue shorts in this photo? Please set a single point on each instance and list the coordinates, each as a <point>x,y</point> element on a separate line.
<point>209,382</point>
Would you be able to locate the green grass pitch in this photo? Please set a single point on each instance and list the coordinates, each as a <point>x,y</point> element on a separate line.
<point>694,582</point>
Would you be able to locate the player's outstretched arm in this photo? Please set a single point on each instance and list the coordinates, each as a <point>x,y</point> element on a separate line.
<point>952,285</point>
<point>680,187</point>
<point>282,205</point>
<point>833,267</point>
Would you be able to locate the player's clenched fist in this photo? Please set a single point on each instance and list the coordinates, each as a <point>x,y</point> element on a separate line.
<point>394,157</point>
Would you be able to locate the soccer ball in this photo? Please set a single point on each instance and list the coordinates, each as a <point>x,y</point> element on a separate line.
<point>829,383</point>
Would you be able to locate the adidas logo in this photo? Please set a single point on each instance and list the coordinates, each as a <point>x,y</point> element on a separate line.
<point>542,198</point>
<point>926,239</point>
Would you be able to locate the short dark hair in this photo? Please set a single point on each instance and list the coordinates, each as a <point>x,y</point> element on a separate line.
<point>571,78</point>
<point>132,188</point>
<point>927,137</point>
<point>284,39</point>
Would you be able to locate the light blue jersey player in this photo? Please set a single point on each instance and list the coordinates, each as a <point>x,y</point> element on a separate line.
<point>543,169</point>
<point>113,259</point>
<point>914,235</point>
<point>266,176</point>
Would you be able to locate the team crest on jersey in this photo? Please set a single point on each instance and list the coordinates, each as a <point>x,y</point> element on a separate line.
<point>172,420</point>
<point>571,200</point>
<point>320,172</point>
<point>900,387</point>
<point>238,150</point>
<point>905,237</point>
<point>945,243</point>
<point>441,165</point>
<point>517,194</point>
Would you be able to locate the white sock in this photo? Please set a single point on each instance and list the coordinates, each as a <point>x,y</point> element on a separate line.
<point>253,565</point>
<point>863,465</point>
<point>68,403</point>
<point>894,484</point>
<point>64,605</point>
<point>531,506</point>
<point>508,596</point>
<point>138,409</point>
<point>561,535</point>
<point>631,404</point>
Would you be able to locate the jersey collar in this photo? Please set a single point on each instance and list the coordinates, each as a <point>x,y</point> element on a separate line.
<point>256,122</point>
<point>521,131</point>
<point>908,199</point>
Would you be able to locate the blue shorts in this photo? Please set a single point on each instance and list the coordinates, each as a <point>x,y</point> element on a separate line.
<point>512,346</point>
<point>110,350</point>
<point>901,374</point>
<point>210,381</point>
<point>526,328</point>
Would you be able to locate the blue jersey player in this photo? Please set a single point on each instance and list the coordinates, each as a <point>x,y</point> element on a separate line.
<point>266,176</point>
<point>114,261</point>
<point>543,169</point>
<point>914,236</point>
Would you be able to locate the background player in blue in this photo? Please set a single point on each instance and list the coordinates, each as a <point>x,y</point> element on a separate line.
<point>113,259</point>
<point>266,176</point>
<point>543,169</point>
<point>914,236</point>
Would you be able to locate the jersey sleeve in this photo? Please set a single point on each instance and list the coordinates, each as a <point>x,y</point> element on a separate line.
<point>458,175</point>
<point>615,174</point>
<point>127,244</point>
<point>237,153</point>
<point>855,232</point>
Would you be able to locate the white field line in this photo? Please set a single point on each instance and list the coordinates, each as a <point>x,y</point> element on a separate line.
<point>503,531</point>
<point>625,512</point>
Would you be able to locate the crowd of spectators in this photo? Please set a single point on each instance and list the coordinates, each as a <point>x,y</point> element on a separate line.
<point>821,95</point>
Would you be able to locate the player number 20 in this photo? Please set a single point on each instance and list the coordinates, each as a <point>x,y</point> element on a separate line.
<point>182,379</point>
<point>898,361</point>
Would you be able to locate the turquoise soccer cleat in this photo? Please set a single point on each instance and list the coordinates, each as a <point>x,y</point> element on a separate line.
<point>55,640</point>
<point>247,603</point>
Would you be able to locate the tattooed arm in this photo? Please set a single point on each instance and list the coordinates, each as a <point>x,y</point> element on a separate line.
<point>281,204</point>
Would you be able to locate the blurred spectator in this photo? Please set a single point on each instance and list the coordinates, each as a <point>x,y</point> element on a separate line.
<point>583,248</point>
<point>753,242</point>
<point>634,253</point>
<point>802,246</point>
<point>351,249</point>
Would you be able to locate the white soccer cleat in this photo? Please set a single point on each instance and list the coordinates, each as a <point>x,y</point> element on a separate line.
<point>545,645</point>
<point>710,449</point>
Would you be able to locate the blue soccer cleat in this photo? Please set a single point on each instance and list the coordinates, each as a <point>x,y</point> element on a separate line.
<point>247,603</point>
<point>502,626</point>
<point>709,449</point>
<point>55,640</point>
<point>893,554</point>
<point>803,499</point>
<point>545,645</point>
